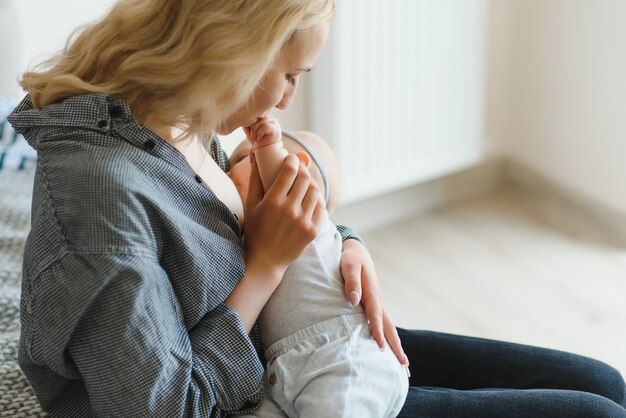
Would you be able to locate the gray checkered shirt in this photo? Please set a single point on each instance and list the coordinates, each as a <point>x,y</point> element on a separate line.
<point>126,269</point>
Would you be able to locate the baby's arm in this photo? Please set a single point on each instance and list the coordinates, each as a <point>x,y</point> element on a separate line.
<point>268,149</point>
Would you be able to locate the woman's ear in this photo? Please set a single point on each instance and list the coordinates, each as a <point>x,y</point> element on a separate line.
<point>304,157</point>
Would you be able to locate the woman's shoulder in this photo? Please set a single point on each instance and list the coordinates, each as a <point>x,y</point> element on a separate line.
<point>87,165</point>
<point>99,188</point>
<point>109,187</point>
<point>93,207</point>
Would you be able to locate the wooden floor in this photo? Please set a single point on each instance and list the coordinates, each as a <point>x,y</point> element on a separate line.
<point>509,267</point>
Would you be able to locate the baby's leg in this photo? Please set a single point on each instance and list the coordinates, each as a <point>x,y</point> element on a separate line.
<point>339,374</point>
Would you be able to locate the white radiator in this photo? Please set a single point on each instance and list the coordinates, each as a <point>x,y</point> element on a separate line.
<point>399,91</point>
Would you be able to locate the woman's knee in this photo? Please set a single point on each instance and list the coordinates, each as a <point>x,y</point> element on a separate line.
<point>604,380</point>
<point>594,406</point>
<point>615,388</point>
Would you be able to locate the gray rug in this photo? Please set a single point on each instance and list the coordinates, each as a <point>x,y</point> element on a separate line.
<point>17,398</point>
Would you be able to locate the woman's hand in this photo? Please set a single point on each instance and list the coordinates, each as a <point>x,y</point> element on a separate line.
<point>282,222</point>
<point>279,225</point>
<point>361,285</point>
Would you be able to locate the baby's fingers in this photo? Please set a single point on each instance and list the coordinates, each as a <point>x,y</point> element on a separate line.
<point>248,131</point>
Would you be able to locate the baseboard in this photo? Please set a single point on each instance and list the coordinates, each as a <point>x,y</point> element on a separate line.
<point>577,213</point>
<point>402,204</point>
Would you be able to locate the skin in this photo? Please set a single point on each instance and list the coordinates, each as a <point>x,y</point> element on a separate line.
<point>241,165</point>
<point>281,222</point>
<point>280,83</point>
<point>267,131</point>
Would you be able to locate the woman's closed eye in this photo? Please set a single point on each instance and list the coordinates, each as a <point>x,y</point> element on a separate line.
<point>291,79</point>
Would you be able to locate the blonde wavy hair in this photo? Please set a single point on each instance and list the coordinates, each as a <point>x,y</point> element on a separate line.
<point>191,62</point>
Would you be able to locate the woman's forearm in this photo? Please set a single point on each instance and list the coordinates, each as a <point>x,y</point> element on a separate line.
<point>252,292</point>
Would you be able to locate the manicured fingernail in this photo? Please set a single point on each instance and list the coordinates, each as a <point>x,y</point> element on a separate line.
<point>408,372</point>
<point>355,297</point>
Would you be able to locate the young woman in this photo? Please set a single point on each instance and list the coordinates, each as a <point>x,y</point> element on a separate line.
<point>139,297</point>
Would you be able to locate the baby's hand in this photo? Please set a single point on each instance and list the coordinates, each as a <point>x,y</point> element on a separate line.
<point>265,131</point>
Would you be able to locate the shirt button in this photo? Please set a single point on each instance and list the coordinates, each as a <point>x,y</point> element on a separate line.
<point>198,178</point>
<point>116,111</point>
<point>149,144</point>
<point>272,379</point>
<point>272,360</point>
<point>102,123</point>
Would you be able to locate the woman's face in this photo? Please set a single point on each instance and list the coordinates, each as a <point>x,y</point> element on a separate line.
<point>280,82</point>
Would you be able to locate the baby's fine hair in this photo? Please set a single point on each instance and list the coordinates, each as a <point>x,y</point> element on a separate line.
<point>192,62</point>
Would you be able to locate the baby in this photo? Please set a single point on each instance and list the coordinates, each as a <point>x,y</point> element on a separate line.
<point>323,361</point>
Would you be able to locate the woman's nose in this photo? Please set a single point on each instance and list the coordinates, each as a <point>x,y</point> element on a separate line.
<point>285,101</point>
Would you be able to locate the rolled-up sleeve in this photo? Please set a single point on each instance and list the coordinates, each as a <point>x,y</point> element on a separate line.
<point>348,233</point>
<point>129,344</point>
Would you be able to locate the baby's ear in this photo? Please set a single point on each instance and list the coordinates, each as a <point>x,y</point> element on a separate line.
<point>304,157</point>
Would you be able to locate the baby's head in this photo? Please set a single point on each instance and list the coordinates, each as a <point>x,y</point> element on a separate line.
<point>240,165</point>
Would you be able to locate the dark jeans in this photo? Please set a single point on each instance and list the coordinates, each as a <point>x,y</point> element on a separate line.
<point>455,376</point>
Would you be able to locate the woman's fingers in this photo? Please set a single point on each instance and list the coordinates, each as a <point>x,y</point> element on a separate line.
<point>358,272</point>
<point>374,313</point>
<point>351,273</point>
<point>300,191</point>
<point>391,335</point>
<point>286,176</point>
<point>311,201</point>
<point>318,214</point>
<point>300,186</point>
<point>372,304</point>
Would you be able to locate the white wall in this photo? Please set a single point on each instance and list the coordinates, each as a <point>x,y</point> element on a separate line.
<point>557,82</point>
<point>400,92</point>
<point>556,99</point>
<point>38,30</point>
<point>558,92</point>
<point>9,53</point>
